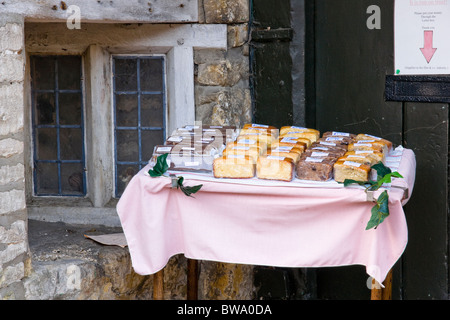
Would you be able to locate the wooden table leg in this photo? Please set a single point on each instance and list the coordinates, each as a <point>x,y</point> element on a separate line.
<point>192,279</point>
<point>382,293</point>
<point>158,285</point>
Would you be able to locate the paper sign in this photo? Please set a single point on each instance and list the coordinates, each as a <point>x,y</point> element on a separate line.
<point>422,30</point>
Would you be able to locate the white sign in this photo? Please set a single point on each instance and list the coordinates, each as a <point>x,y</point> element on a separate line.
<point>422,33</point>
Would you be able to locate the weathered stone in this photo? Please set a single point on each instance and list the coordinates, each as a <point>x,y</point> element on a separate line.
<point>10,174</point>
<point>11,67</point>
<point>11,201</point>
<point>225,107</point>
<point>12,251</point>
<point>225,281</point>
<point>226,11</point>
<point>15,234</point>
<point>12,274</point>
<point>237,35</point>
<point>10,147</point>
<point>11,108</point>
<point>225,73</point>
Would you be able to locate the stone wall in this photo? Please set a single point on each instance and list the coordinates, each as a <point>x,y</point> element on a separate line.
<point>222,96</point>
<point>222,76</point>
<point>14,253</point>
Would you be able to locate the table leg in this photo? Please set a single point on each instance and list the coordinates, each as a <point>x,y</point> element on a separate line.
<point>382,293</point>
<point>158,285</point>
<point>192,279</point>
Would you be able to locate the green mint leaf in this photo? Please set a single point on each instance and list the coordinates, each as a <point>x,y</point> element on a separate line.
<point>160,167</point>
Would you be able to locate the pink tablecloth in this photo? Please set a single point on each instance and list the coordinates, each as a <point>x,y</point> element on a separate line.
<point>281,225</point>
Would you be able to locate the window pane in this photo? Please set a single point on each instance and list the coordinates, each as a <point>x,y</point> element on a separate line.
<point>127,145</point>
<point>152,110</point>
<point>127,110</point>
<point>58,125</point>
<point>124,175</point>
<point>45,109</point>
<point>70,108</point>
<point>44,73</point>
<point>46,144</point>
<point>150,138</point>
<point>125,74</point>
<point>71,144</point>
<point>151,74</point>
<point>46,178</point>
<point>69,72</point>
<point>72,180</point>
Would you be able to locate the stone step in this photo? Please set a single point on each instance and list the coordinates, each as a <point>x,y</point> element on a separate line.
<point>67,265</point>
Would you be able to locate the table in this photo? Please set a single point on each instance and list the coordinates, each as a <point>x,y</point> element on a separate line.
<point>267,223</point>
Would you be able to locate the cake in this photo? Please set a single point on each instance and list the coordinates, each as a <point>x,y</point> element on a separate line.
<point>286,129</point>
<point>363,136</point>
<point>339,134</point>
<point>376,156</point>
<point>352,170</point>
<point>234,167</point>
<point>286,151</point>
<point>271,167</point>
<point>315,169</point>
<point>234,148</point>
<point>369,145</point>
<point>312,135</point>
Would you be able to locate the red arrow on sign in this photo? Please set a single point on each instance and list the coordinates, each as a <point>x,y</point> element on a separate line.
<point>428,50</point>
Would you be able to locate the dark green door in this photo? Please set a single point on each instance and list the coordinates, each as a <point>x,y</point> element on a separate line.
<point>351,62</point>
<point>341,86</point>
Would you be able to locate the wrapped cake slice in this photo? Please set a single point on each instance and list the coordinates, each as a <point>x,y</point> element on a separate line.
<point>286,151</point>
<point>351,170</point>
<point>368,137</point>
<point>287,129</point>
<point>270,167</point>
<point>234,148</point>
<point>315,169</point>
<point>234,167</point>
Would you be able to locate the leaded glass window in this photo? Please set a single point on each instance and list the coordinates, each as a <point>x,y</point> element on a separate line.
<point>139,113</point>
<point>58,128</point>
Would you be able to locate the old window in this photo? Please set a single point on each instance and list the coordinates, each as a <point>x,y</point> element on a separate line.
<point>139,113</point>
<point>57,123</point>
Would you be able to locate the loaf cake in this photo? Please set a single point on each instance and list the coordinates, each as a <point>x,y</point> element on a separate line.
<point>369,145</point>
<point>338,134</point>
<point>315,169</point>
<point>246,141</point>
<point>285,142</point>
<point>275,168</point>
<point>286,151</point>
<point>352,170</point>
<point>312,135</point>
<point>286,129</point>
<point>368,137</point>
<point>376,156</point>
<point>234,148</point>
<point>234,167</point>
<point>333,151</point>
<point>306,141</point>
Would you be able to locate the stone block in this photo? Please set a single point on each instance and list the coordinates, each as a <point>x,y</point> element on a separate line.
<point>11,108</point>
<point>11,201</point>
<point>11,67</point>
<point>226,11</point>
<point>10,147</point>
<point>237,35</point>
<point>12,274</point>
<point>11,37</point>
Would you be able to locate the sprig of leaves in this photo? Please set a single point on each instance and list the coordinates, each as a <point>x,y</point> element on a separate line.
<point>160,169</point>
<point>380,210</point>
